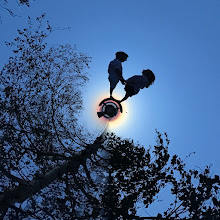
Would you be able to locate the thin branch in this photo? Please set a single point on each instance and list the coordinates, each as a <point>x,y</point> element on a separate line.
<point>53,156</point>
<point>67,132</point>
<point>88,175</point>
<point>10,11</point>
<point>91,198</point>
<point>53,121</point>
<point>12,177</point>
<point>174,210</point>
<point>29,213</point>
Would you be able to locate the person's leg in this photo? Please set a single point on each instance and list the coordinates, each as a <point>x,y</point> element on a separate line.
<point>113,82</point>
<point>125,98</point>
<point>111,90</point>
<point>129,92</point>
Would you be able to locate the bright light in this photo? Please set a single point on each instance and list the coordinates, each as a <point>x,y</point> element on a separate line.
<point>116,122</point>
<point>91,103</point>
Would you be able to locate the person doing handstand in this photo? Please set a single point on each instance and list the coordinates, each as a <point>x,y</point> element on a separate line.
<point>137,82</point>
<point>115,70</point>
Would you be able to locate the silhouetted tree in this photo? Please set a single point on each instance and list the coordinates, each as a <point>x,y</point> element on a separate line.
<point>50,167</point>
<point>137,174</point>
<point>41,97</point>
<point>4,6</point>
<point>4,3</point>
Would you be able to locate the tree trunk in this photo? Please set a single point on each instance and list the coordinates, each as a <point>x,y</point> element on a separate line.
<point>24,191</point>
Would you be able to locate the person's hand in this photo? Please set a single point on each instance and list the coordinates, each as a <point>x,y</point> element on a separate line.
<point>123,81</point>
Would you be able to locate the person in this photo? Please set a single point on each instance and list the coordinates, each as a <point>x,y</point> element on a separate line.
<point>115,70</point>
<point>137,82</point>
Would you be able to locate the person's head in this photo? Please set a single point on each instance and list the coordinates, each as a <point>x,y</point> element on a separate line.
<point>122,56</point>
<point>150,76</point>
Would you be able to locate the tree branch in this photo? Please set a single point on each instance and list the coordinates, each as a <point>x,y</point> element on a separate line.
<point>12,177</point>
<point>88,175</point>
<point>23,192</point>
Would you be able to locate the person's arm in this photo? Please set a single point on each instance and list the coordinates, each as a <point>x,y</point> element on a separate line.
<point>123,81</point>
<point>119,73</point>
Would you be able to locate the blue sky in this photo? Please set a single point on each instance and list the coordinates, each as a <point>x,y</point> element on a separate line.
<point>178,40</point>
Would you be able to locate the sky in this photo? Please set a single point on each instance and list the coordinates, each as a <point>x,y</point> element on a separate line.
<point>178,40</point>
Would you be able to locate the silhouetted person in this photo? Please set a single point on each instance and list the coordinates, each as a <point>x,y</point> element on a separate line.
<point>137,82</point>
<point>115,70</point>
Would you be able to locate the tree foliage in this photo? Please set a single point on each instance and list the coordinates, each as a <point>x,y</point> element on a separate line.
<point>4,7</point>
<point>22,2</point>
<point>41,97</point>
<point>51,169</point>
<point>138,174</point>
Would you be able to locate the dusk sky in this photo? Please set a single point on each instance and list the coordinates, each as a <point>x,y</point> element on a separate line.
<point>178,40</point>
